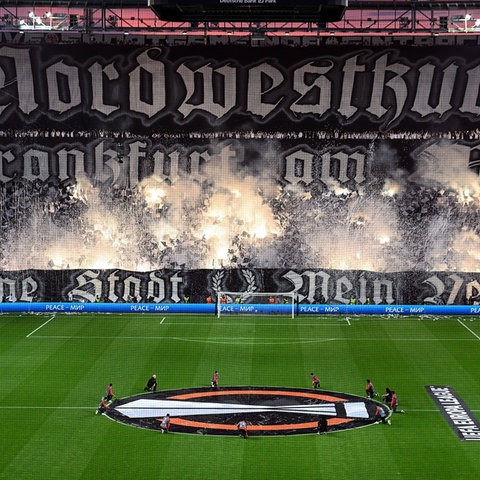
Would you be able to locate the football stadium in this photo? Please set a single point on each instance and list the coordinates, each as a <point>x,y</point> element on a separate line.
<point>239,240</point>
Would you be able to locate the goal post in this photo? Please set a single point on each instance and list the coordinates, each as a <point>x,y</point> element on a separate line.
<point>255,303</point>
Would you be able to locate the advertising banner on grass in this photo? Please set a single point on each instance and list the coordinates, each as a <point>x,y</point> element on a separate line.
<point>456,412</point>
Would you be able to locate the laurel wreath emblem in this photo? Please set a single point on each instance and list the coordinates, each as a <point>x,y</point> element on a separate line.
<point>217,280</point>
<point>249,276</point>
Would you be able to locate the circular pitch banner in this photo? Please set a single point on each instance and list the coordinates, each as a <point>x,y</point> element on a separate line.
<point>267,410</point>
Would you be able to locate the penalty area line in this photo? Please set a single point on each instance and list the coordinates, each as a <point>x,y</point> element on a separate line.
<point>469,329</point>
<point>42,325</point>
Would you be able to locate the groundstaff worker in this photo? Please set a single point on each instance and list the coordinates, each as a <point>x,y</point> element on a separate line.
<point>242,428</point>
<point>214,382</point>
<point>102,407</point>
<point>109,393</point>
<point>165,424</point>
<point>151,384</point>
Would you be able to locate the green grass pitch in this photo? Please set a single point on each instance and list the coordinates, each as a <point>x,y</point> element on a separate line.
<point>54,370</point>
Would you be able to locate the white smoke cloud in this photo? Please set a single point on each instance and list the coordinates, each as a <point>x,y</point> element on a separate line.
<point>238,213</point>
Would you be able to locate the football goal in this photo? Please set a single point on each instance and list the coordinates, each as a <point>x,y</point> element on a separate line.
<point>248,303</point>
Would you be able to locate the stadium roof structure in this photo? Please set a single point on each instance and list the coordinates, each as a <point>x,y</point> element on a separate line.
<point>243,17</point>
<point>250,10</point>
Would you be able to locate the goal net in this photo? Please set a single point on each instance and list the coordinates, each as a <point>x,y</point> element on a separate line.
<point>248,303</point>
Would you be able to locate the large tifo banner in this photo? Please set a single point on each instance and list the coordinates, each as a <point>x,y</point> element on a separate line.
<point>318,287</point>
<point>334,172</point>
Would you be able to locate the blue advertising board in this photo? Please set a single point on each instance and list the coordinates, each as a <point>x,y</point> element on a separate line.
<point>205,308</point>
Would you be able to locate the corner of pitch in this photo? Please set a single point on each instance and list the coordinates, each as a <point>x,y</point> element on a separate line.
<point>267,410</point>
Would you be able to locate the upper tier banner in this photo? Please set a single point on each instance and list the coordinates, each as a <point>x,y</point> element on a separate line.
<point>200,88</point>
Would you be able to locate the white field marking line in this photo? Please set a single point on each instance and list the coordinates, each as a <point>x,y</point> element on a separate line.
<point>331,339</point>
<point>218,340</point>
<point>210,322</point>
<point>470,330</point>
<point>347,319</point>
<point>272,324</point>
<point>250,341</point>
<point>276,326</point>
<point>42,325</point>
<point>36,407</point>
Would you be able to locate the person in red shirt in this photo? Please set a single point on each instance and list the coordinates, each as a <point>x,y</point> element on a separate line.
<point>369,389</point>
<point>394,403</point>
<point>109,393</point>
<point>102,408</point>
<point>215,379</point>
<point>315,381</point>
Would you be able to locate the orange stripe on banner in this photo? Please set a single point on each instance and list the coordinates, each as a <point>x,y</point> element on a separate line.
<point>286,426</point>
<point>215,393</point>
<point>339,421</point>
